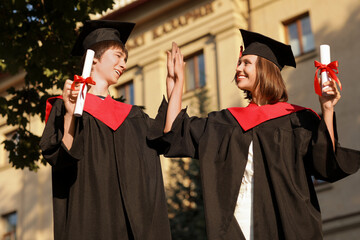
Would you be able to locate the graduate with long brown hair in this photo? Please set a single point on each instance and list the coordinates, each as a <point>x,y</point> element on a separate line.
<point>257,162</point>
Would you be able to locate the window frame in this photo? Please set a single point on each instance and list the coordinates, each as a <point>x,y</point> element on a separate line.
<point>197,78</point>
<point>10,233</point>
<point>126,85</point>
<point>298,20</point>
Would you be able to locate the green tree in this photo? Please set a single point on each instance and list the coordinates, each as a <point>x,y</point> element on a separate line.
<point>184,193</point>
<point>37,37</point>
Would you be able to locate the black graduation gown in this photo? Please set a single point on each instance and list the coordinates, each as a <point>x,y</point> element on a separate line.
<point>109,184</point>
<point>287,151</point>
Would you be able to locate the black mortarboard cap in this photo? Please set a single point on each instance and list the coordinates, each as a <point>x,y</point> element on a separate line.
<point>95,31</point>
<point>278,53</point>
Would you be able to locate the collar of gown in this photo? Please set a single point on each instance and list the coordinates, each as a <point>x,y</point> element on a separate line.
<point>110,112</point>
<point>253,115</point>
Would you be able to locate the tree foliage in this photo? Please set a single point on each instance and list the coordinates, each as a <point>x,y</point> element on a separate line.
<point>185,201</point>
<point>37,37</point>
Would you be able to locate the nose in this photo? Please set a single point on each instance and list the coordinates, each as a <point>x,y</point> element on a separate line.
<point>240,67</point>
<point>122,65</point>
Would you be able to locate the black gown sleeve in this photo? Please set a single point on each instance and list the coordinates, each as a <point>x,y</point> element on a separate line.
<point>183,138</point>
<point>53,149</point>
<point>330,165</point>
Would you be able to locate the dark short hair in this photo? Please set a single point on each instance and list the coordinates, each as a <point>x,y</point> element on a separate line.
<point>270,82</point>
<point>101,47</point>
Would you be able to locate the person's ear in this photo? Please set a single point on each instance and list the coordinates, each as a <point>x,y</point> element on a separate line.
<point>95,61</point>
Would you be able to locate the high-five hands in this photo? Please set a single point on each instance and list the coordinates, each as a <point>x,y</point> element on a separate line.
<point>175,67</point>
<point>174,84</point>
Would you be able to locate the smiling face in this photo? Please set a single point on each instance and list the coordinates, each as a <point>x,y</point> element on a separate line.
<point>110,66</point>
<point>246,72</point>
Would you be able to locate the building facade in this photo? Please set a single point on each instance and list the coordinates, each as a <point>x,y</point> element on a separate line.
<point>25,197</point>
<point>207,32</point>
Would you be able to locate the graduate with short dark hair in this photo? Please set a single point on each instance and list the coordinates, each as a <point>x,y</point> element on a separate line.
<point>257,162</point>
<point>107,182</point>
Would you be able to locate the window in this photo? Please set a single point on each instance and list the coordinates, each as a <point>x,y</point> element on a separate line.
<point>10,221</point>
<point>195,72</point>
<point>299,35</point>
<point>127,92</point>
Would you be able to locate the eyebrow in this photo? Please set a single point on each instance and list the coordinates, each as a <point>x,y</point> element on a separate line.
<point>245,59</point>
<point>120,52</point>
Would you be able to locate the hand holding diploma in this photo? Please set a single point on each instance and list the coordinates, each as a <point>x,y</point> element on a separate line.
<point>71,94</point>
<point>84,80</point>
<point>327,69</point>
<point>326,88</point>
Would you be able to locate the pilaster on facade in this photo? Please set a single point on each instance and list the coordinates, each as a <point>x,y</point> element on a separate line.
<point>227,53</point>
<point>154,85</point>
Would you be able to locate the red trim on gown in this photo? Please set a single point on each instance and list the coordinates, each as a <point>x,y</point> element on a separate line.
<point>109,111</point>
<point>253,115</point>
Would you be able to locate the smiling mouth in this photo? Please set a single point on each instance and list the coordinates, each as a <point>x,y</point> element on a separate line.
<point>118,73</point>
<point>239,77</point>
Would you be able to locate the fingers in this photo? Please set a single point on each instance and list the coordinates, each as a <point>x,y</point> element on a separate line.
<point>179,58</point>
<point>68,85</point>
<point>70,93</point>
<point>176,53</point>
<point>330,88</point>
<point>331,95</point>
<point>169,59</point>
<point>179,66</point>
<point>173,58</point>
<point>174,49</point>
<point>168,54</point>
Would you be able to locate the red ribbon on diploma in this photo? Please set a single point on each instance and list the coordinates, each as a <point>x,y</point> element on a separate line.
<point>331,69</point>
<point>80,79</point>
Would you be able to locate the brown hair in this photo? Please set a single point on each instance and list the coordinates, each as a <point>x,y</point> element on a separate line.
<point>101,47</point>
<point>269,82</point>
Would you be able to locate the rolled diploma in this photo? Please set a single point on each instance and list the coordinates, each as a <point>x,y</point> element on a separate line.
<point>80,101</point>
<point>324,59</point>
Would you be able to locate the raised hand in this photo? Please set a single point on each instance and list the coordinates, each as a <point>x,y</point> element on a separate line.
<point>331,96</point>
<point>170,78</point>
<point>176,63</point>
<point>328,102</point>
<point>179,66</point>
<point>171,60</point>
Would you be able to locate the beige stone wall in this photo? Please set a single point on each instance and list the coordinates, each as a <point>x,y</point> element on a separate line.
<point>27,193</point>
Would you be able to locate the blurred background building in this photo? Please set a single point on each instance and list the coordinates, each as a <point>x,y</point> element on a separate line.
<point>207,32</point>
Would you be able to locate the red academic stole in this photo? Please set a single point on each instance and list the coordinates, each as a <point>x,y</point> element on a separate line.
<point>110,112</point>
<point>253,115</point>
